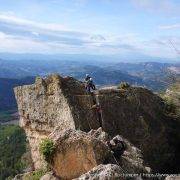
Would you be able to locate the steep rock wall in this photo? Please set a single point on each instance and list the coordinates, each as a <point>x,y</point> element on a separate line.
<point>135,113</point>
<point>52,102</point>
<point>140,116</point>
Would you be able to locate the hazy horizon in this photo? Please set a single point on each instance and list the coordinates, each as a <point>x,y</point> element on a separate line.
<point>88,58</point>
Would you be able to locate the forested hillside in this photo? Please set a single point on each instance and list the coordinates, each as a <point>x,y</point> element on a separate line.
<point>12,147</point>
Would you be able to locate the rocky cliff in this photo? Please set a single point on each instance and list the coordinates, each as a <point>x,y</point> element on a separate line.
<point>140,116</point>
<point>135,113</point>
<point>53,102</point>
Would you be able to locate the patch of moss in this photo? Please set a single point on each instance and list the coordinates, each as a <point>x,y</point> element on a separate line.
<point>47,148</point>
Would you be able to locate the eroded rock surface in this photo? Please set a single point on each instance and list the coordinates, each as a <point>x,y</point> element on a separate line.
<point>132,160</point>
<point>53,102</point>
<point>135,113</point>
<point>76,153</point>
<point>139,116</point>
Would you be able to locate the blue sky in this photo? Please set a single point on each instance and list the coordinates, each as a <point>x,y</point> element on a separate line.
<point>120,27</point>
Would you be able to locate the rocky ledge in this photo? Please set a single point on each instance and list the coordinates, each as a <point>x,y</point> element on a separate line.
<point>59,109</point>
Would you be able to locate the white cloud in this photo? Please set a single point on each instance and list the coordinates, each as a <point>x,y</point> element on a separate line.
<point>156,48</point>
<point>13,44</point>
<point>35,33</point>
<point>53,33</point>
<point>22,35</point>
<point>6,18</point>
<point>44,31</point>
<point>172,26</point>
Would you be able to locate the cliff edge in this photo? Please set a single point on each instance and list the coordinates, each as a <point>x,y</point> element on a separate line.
<point>134,112</point>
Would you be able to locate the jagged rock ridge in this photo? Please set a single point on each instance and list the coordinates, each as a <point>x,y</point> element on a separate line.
<point>135,113</point>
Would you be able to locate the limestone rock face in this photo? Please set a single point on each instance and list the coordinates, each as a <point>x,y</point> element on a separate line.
<point>139,116</point>
<point>135,113</point>
<point>49,103</point>
<point>76,153</point>
<point>132,160</point>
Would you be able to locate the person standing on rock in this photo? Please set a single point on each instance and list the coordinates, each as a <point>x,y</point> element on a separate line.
<point>89,84</point>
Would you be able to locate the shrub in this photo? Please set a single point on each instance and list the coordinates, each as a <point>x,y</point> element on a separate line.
<point>35,175</point>
<point>170,107</point>
<point>123,85</point>
<point>47,149</point>
<point>38,174</point>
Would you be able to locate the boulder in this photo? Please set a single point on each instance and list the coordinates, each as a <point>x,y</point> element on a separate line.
<point>76,153</point>
<point>105,172</point>
<point>134,112</point>
<point>132,159</point>
<point>51,102</point>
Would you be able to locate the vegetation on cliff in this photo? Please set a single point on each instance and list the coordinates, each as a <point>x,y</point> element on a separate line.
<point>172,98</point>
<point>123,85</point>
<point>47,148</point>
<point>34,175</point>
<point>135,112</point>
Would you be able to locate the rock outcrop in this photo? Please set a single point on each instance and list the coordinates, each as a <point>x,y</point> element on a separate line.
<point>101,172</point>
<point>135,113</point>
<point>76,153</point>
<point>49,103</point>
<point>82,155</point>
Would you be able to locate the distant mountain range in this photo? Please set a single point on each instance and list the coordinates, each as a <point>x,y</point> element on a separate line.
<point>14,72</point>
<point>7,99</point>
<point>129,58</point>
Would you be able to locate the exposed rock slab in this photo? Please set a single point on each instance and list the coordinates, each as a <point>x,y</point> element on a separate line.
<point>135,113</point>
<point>139,116</point>
<point>76,153</point>
<point>52,102</point>
<point>101,172</point>
<point>132,160</point>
